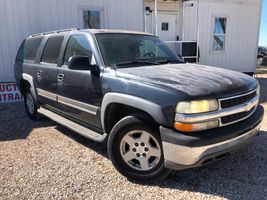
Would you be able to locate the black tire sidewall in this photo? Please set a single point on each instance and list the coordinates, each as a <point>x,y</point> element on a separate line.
<point>124,126</point>
<point>33,115</point>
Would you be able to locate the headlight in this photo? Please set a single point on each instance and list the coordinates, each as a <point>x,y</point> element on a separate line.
<point>193,107</point>
<point>196,127</point>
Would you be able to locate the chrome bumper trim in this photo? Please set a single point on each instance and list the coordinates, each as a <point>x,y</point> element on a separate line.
<point>188,156</point>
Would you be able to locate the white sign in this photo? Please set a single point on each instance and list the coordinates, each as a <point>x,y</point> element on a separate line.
<point>9,93</point>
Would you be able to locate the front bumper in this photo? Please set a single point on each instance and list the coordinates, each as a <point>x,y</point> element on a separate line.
<point>184,150</point>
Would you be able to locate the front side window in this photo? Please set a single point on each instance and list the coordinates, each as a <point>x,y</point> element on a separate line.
<point>219,34</point>
<point>78,45</point>
<point>52,50</point>
<point>130,49</point>
<point>91,19</point>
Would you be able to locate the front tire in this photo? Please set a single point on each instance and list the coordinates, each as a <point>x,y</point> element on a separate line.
<point>135,149</point>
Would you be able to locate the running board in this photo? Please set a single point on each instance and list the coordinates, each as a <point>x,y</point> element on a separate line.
<point>73,126</point>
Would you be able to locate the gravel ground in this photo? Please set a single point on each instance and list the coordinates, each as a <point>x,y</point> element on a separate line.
<point>42,160</point>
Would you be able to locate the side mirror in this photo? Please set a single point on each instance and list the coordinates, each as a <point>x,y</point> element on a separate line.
<point>81,63</point>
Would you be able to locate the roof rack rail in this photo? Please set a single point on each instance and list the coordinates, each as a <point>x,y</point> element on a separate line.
<point>65,30</point>
<point>57,31</point>
<point>35,35</point>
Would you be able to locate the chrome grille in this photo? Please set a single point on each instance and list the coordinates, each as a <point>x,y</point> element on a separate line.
<point>243,100</point>
<point>231,102</point>
<point>231,110</point>
<point>236,117</point>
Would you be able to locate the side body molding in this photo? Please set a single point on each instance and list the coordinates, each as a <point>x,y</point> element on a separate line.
<point>29,78</point>
<point>149,107</point>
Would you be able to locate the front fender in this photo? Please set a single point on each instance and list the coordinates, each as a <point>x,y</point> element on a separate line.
<point>149,107</point>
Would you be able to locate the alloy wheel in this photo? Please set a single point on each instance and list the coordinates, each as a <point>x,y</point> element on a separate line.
<point>140,150</point>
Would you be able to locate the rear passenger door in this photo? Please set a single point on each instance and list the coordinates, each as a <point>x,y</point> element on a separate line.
<point>26,60</point>
<point>47,72</point>
<point>79,91</point>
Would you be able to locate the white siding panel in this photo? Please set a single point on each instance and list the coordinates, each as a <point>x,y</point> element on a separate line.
<point>190,21</point>
<point>241,36</point>
<point>241,32</point>
<point>166,7</point>
<point>21,18</point>
<point>4,40</point>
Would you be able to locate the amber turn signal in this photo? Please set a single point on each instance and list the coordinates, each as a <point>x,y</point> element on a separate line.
<point>196,127</point>
<point>183,127</point>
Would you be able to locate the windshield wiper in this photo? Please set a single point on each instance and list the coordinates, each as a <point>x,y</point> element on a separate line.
<point>166,61</point>
<point>142,61</point>
<point>136,62</point>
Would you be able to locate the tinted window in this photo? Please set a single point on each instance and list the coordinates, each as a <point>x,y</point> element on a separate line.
<point>20,54</point>
<point>52,50</point>
<point>77,46</point>
<point>28,49</point>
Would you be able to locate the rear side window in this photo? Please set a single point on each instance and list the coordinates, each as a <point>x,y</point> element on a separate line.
<point>20,54</point>
<point>52,50</point>
<point>28,49</point>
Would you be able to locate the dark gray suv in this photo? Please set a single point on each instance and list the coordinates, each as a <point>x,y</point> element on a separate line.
<point>129,89</point>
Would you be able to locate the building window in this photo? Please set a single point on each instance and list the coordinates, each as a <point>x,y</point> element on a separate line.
<point>164,26</point>
<point>219,34</point>
<point>91,19</point>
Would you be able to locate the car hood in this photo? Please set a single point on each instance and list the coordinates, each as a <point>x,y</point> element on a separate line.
<point>197,81</point>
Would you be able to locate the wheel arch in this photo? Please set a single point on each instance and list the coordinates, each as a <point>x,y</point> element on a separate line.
<point>117,102</point>
<point>24,85</point>
<point>25,82</point>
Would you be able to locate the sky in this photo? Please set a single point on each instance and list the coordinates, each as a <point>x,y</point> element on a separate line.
<point>263,33</point>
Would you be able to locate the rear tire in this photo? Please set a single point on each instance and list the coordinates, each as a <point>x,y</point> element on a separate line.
<point>31,105</point>
<point>135,149</point>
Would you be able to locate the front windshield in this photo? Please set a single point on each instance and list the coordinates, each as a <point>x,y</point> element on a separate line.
<point>125,50</point>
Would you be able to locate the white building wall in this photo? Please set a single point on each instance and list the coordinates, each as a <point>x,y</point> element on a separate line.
<point>189,21</point>
<point>242,32</point>
<point>21,18</point>
<point>163,6</point>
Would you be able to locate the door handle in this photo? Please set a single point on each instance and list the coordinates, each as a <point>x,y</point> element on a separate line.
<point>39,72</point>
<point>60,77</point>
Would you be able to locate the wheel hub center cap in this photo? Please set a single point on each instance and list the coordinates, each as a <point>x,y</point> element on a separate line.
<point>140,150</point>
